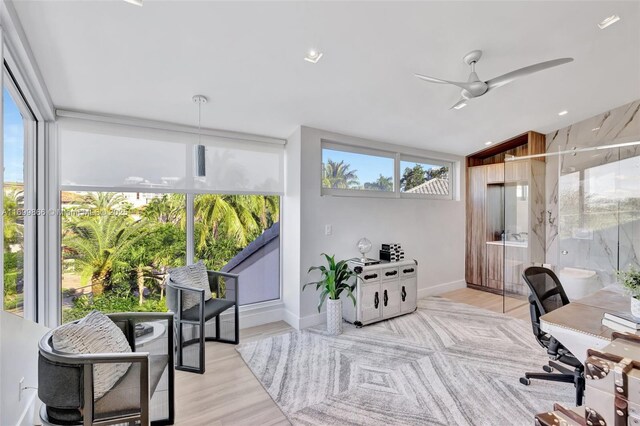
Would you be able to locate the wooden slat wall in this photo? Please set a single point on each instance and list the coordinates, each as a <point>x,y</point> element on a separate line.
<point>476,223</point>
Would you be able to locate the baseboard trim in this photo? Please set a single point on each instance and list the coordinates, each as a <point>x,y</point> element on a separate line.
<point>255,316</point>
<point>441,288</point>
<point>291,319</point>
<point>311,320</point>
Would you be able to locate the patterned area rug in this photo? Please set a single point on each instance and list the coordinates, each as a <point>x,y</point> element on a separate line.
<point>446,364</point>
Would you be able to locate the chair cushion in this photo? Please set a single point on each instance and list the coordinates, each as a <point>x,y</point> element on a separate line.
<point>94,334</point>
<point>123,398</point>
<point>191,276</point>
<point>212,307</point>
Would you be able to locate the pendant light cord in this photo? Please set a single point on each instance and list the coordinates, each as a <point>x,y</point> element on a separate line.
<point>199,121</point>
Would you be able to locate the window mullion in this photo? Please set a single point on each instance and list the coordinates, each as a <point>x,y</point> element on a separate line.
<point>190,228</point>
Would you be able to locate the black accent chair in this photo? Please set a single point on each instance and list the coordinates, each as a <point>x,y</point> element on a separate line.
<point>66,388</point>
<point>197,317</point>
<point>547,295</point>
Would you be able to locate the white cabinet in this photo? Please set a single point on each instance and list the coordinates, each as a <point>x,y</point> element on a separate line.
<point>369,297</point>
<point>383,291</point>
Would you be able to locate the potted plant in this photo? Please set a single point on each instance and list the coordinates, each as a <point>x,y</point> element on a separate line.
<point>333,281</point>
<point>631,281</point>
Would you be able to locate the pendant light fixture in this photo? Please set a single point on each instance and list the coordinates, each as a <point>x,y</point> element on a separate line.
<point>199,150</point>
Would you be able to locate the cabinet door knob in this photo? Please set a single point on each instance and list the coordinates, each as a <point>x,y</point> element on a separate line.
<point>404,293</point>
<point>408,271</point>
<point>376,300</point>
<point>386,298</point>
<point>391,273</point>
<point>370,277</point>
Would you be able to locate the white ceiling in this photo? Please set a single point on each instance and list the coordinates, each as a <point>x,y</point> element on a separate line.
<point>113,57</point>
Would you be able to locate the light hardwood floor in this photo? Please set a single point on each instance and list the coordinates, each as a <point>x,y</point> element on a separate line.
<point>229,394</point>
<point>517,308</point>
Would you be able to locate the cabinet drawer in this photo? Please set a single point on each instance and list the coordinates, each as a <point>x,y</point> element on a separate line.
<point>370,276</point>
<point>390,273</point>
<point>408,271</point>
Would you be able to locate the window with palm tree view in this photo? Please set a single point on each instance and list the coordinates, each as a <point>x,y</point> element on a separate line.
<point>117,246</point>
<point>350,170</point>
<point>15,215</point>
<point>345,170</point>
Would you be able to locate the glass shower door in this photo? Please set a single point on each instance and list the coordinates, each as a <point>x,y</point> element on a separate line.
<point>598,217</point>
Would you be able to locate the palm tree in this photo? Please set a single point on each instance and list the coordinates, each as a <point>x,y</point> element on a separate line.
<point>13,222</point>
<point>167,208</point>
<point>97,244</point>
<point>339,175</point>
<point>381,184</point>
<point>266,209</point>
<point>229,216</point>
<point>103,201</point>
<point>143,269</point>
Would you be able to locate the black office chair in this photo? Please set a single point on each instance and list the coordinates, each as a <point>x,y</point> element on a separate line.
<point>547,295</point>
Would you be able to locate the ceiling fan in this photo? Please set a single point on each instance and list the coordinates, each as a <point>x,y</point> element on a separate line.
<point>474,87</point>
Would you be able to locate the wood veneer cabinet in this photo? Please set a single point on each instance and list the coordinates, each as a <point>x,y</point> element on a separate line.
<point>487,178</point>
<point>476,225</point>
<point>495,173</point>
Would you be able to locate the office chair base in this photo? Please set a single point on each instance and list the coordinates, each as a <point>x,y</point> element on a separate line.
<point>575,378</point>
<point>547,368</point>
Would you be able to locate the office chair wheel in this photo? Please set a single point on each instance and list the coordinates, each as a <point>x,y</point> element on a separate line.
<point>547,368</point>
<point>525,381</point>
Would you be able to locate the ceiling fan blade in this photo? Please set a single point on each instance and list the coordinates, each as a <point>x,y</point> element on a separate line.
<point>460,104</point>
<point>510,76</point>
<point>439,80</point>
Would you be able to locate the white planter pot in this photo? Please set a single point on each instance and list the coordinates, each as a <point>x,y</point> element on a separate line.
<point>635,307</point>
<point>334,317</point>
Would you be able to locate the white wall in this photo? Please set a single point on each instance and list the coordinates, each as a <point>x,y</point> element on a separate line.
<point>431,231</point>
<point>290,230</point>
<point>19,347</point>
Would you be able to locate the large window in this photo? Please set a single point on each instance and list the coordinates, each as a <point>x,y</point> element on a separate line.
<point>18,193</point>
<point>134,204</point>
<point>357,171</point>
<point>117,246</point>
<point>240,234</point>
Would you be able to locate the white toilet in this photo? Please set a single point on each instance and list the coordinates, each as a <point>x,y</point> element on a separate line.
<point>578,283</point>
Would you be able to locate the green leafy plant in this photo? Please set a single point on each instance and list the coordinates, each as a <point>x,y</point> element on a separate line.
<point>333,280</point>
<point>631,281</point>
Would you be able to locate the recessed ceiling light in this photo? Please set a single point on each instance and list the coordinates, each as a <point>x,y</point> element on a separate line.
<point>608,21</point>
<point>488,143</point>
<point>595,129</point>
<point>460,106</point>
<point>136,2</point>
<point>565,112</point>
<point>313,56</point>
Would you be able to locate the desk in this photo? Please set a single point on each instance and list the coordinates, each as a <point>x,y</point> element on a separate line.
<point>578,325</point>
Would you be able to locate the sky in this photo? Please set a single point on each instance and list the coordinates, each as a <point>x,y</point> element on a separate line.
<point>368,167</point>
<point>13,141</point>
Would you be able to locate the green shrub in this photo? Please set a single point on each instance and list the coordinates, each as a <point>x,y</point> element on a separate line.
<point>109,303</point>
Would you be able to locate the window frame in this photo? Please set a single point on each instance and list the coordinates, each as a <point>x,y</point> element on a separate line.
<point>335,146</point>
<point>431,161</point>
<point>30,176</point>
<point>397,156</point>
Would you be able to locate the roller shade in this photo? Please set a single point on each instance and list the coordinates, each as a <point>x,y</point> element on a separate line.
<point>98,156</point>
